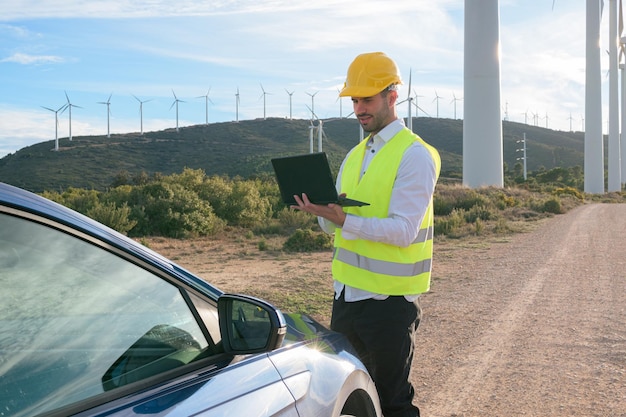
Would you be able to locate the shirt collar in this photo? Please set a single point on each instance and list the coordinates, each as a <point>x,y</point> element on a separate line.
<point>391,130</point>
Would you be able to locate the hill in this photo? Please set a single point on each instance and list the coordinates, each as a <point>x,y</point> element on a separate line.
<point>245,148</point>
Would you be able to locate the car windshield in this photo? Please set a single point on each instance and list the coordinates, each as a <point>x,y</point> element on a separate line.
<point>77,320</point>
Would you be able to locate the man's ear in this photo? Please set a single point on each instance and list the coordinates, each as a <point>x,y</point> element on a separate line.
<point>392,97</point>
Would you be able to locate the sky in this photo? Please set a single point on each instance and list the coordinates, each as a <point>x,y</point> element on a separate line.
<point>280,58</point>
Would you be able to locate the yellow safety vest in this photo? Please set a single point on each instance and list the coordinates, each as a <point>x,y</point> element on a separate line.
<point>378,267</point>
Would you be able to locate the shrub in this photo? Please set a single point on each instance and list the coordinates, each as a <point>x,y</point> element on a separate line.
<point>115,217</point>
<point>271,227</point>
<point>246,207</point>
<point>568,191</point>
<point>479,213</point>
<point>189,178</point>
<point>77,199</point>
<point>296,219</point>
<point>479,227</point>
<point>239,202</point>
<point>552,205</point>
<point>502,226</point>
<point>503,201</point>
<point>447,199</point>
<point>171,210</point>
<point>447,225</point>
<point>305,240</point>
<point>441,205</point>
<point>216,191</point>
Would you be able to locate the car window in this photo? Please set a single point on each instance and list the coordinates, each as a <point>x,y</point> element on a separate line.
<point>77,320</point>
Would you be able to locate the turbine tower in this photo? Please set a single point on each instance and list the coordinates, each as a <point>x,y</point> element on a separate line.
<point>594,142</point>
<point>290,97</point>
<point>263,95</point>
<point>311,129</point>
<point>141,113</point>
<point>615,180</point>
<point>409,99</point>
<point>56,124</point>
<point>454,100</point>
<point>108,104</point>
<point>437,98</point>
<point>237,106</point>
<point>175,102</point>
<point>69,106</point>
<point>340,104</point>
<point>482,122</point>
<point>320,131</point>
<point>206,105</point>
<point>417,107</point>
<point>623,105</point>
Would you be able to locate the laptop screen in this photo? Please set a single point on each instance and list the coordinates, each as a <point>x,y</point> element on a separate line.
<point>307,174</point>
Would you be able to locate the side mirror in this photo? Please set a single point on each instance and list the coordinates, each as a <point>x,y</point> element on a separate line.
<point>249,325</point>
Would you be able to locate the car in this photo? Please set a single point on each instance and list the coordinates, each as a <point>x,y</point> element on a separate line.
<point>93,323</point>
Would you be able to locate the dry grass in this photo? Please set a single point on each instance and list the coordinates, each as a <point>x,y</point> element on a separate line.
<point>294,282</point>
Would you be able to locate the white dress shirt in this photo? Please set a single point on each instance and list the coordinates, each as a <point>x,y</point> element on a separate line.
<point>410,197</point>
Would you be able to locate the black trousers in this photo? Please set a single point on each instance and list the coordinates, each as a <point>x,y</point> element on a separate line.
<point>383,333</point>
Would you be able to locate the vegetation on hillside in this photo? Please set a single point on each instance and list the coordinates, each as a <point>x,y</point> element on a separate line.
<point>244,149</point>
<point>191,203</point>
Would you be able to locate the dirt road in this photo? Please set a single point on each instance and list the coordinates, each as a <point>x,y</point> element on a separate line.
<point>530,324</point>
<point>532,327</point>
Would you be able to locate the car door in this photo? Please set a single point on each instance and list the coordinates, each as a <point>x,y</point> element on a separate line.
<point>88,328</point>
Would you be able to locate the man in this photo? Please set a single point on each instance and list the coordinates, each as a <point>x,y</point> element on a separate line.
<point>383,252</point>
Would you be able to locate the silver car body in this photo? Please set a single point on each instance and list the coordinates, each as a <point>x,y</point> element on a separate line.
<point>80,302</point>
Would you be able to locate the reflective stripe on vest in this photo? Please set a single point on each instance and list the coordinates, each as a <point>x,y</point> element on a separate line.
<point>382,267</point>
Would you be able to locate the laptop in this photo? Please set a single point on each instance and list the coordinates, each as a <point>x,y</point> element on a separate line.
<point>308,174</point>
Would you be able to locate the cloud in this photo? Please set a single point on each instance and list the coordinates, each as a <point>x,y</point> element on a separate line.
<point>351,9</point>
<point>16,32</point>
<point>27,59</point>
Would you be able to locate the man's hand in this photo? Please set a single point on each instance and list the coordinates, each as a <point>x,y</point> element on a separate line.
<point>332,212</point>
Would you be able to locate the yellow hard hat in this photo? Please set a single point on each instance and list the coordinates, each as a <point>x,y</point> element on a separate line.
<point>369,74</point>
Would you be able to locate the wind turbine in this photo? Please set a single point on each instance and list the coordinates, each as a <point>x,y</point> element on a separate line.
<point>141,112</point>
<point>320,132</point>
<point>69,106</point>
<point>108,104</point>
<point>56,124</point>
<point>312,103</point>
<point>570,118</point>
<point>525,117</point>
<point>176,101</point>
<point>417,107</point>
<point>409,99</point>
<point>437,98</point>
<point>340,104</point>
<point>290,96</point>
<point>237,106</point>
<point>582,123</point>
<point>454,100</point>
<point>263,95</point>
<point>206,105</point>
